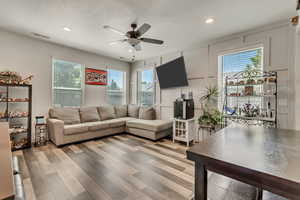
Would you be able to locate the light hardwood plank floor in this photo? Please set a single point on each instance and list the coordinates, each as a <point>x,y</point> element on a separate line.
<point>122,167</point>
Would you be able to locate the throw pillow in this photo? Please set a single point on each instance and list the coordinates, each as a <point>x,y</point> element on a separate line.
<point>121,111</point>
<point>106,112</point>
<point>89,114</point>
<point>147,113</point>
<point>133,111</point>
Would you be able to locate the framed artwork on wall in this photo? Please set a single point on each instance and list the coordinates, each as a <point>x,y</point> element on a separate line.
<point>95,76</point>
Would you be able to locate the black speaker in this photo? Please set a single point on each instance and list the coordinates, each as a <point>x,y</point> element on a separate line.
<point>184,109</point>
<point>178,109</point>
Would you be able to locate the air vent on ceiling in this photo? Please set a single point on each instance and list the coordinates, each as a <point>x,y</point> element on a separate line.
<point>41,36</point>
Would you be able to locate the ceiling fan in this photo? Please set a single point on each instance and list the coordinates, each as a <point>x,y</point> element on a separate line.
<point>133,37</point>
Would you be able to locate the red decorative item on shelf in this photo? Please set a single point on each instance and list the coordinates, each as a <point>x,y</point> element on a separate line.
<point>249,90</point>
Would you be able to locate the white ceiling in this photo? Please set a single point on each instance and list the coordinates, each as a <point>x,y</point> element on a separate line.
<point>180,23</point>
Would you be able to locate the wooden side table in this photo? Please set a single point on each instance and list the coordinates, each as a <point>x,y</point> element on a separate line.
<point>184,130</point>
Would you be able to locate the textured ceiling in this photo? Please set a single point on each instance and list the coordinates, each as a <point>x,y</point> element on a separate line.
<point>180,23</point>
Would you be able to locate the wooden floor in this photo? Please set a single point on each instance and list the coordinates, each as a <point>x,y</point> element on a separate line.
<point>120,167</point>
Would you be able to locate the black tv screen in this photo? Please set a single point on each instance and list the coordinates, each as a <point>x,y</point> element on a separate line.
<point>172,74</point>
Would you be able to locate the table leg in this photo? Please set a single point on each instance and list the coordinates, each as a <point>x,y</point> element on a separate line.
<point>200,182</point>
<point>259,194</point>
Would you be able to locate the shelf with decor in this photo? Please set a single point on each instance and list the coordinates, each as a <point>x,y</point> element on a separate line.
<point>245,96</point>
<point>267,119</point>
<point>257,84</point>
<point>13,111</point>
<point>14,100</point>
<point>251,98</point>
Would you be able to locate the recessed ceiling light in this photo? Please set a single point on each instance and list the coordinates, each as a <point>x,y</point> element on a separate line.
<point>130,50</point>
<point>67,29</point>
<point>209,20</point>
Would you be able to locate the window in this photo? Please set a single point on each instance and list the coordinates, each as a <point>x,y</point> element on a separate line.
<point>146,86</point>
<point>116,87</point>
<point>239,61</point>
<point>67,84</point>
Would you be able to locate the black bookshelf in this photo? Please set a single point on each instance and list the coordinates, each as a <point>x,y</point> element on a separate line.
<point>260,84</point>
<point>10,100</point>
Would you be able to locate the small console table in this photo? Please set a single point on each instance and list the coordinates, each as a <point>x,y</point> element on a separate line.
<point>184,130</point>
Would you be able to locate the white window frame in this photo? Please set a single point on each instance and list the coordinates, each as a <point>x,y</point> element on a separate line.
<point>124,90</point>
<point>82,89</point>
<point>220,57</point>
<point>138,82</point>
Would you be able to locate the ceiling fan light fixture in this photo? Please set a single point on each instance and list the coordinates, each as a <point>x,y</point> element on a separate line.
<point>209,20</point>
<point>133,37</point>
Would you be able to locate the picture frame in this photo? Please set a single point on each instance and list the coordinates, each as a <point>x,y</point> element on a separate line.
<point>95,77</point>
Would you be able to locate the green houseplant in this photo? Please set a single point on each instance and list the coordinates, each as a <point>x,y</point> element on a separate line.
<point>210,116</point>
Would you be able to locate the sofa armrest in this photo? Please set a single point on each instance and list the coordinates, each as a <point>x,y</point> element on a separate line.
<point>56,130</point>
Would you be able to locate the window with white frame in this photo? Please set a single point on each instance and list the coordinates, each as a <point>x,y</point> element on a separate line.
<point>239,61</point>
<point>146,87</point>
<point>115,91</point>
<point>67,83</point>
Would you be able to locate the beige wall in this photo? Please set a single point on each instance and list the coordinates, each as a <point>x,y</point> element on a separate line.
<point>297,80</point>
<point>202,67</point>
<point>31,56</point>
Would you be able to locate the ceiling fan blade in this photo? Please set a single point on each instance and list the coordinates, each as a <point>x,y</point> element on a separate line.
<point>114,30</point>
<point>137,47</point>
<point>143,29</point>
<point>153,41</point>
<point>118,41</point>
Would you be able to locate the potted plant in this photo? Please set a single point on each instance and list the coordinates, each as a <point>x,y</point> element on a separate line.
<point>211,116</point>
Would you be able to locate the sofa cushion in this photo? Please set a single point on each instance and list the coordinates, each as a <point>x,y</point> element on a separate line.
<point>68,115</point>
<point>127,118</point>
<point>133,111</point>
<point>121,111</point>
<point>151,125</point>
<point>75,129</point>
<point>106,112</point>
<point>89,114</point>
<point>95,126</point>
<point>147,113</point>
<point>113,123</point>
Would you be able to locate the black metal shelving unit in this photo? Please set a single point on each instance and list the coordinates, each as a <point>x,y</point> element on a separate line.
<point>233,86</point>
<point>7,100</point>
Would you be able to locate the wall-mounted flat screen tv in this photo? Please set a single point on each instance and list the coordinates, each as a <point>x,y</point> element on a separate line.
<point>172,74</point>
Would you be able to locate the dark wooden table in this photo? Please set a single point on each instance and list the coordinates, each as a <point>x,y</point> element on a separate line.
<point>268,159</point>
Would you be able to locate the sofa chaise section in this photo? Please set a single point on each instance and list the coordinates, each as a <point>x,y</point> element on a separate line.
<point>152,129</point>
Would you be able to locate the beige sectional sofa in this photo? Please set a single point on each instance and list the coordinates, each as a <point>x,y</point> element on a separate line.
<point>68,125</point>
